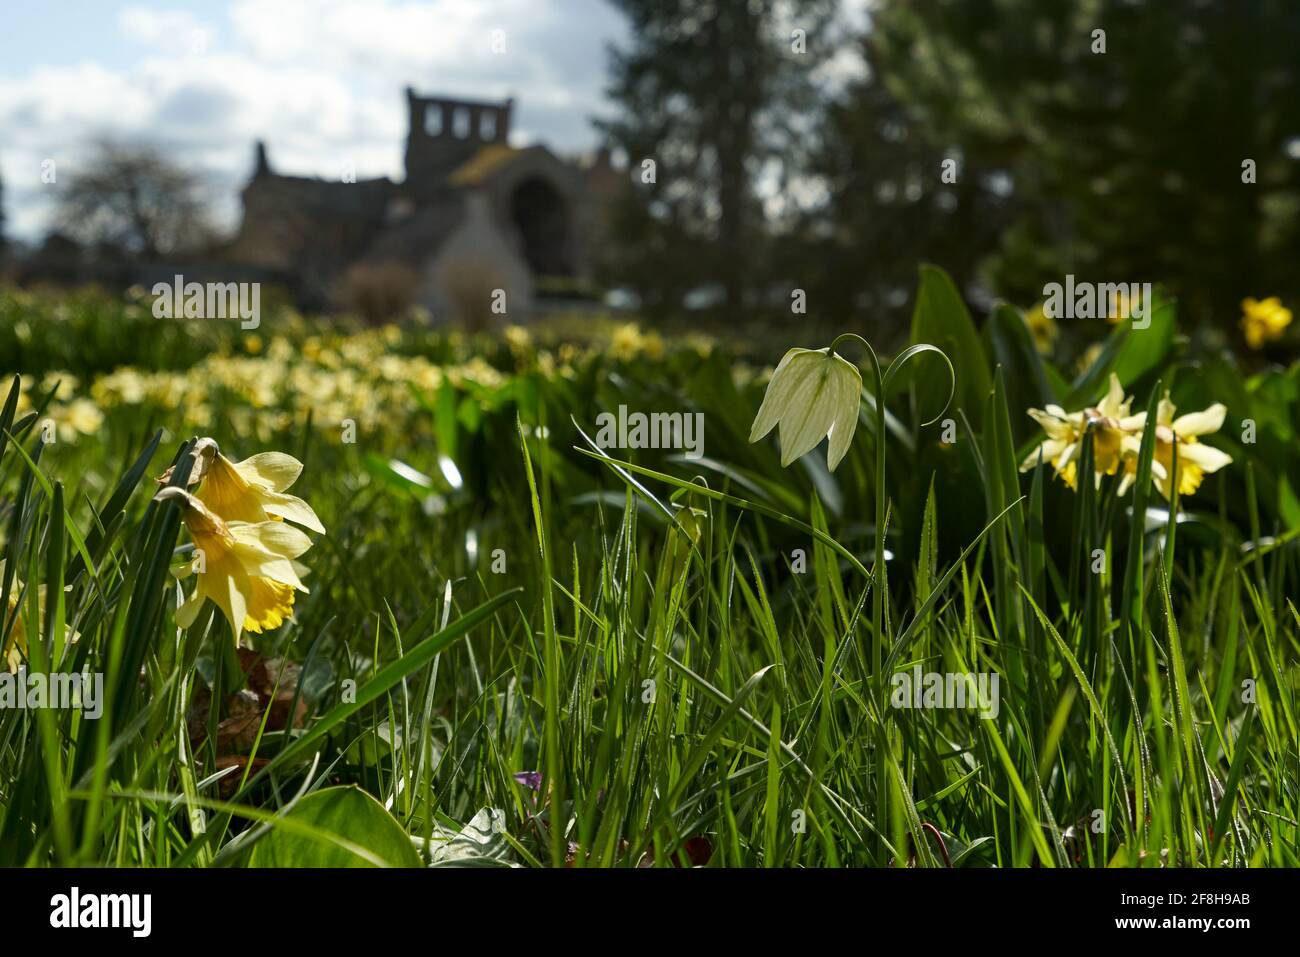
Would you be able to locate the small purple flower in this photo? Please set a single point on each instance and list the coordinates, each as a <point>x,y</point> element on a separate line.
<point>529,779</point>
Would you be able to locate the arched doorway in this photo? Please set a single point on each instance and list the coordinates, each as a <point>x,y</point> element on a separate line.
<point>542,218</point>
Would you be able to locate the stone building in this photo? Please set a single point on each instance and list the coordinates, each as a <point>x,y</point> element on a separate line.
<point>472,215</point>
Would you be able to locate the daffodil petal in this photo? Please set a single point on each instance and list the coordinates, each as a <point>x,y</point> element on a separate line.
<point>1200,423</point>
<point>1205,457</point>
<point>1114,396</point>
<point>260,565</point>
<point>291,508</point>
<point>275,538</point>
<point>273,470</point>
<point>1165,411</point>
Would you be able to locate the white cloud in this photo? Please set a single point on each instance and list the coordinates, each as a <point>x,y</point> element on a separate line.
<point>165,26</point>
<point>320,80</point>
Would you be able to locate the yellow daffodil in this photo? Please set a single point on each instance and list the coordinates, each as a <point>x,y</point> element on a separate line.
<point>518,338</point>
<point>1043,328</point>
<point>246,568</point>
<point>1110,421</point>
<point>78,417</point>
<point>13,648</point>
<point>1195,460</point>
<point>629,342</point>
<point>813,394</point>
<point>251,490</point>
<point>1263,321</point>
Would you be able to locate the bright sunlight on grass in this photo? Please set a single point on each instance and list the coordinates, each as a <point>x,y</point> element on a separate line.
<point>967,631</point>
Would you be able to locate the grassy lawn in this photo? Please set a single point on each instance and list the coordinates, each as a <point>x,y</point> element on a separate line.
<point>517,646</point>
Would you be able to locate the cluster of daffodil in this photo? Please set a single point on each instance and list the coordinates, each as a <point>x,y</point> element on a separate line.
<point>349,376</point>
<point>72,417</point>
<point>332,378</point>
<point>1116,436</point>
<point>245,550</point>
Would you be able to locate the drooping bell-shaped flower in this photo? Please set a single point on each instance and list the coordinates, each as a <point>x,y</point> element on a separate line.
<point>813,394</point>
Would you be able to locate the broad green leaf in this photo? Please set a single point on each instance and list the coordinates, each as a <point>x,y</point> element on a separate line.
<point>941,318</point>
<point>351,817</point>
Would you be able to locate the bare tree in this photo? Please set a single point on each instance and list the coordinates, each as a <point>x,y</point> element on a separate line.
<point>135,197</point>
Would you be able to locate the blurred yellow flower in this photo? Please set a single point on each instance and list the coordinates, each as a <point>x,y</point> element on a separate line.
<point>518,338</point>
<point>1109,420</point>
<point>1088,357</point>
<point>66,382</point>
<point>628,342</point>
<point>78,417</point>
<point>1043,328</point>
<point>247,569</point>
<point>1123,308</point>
<point>1263,320</point>
<point>13,648</point>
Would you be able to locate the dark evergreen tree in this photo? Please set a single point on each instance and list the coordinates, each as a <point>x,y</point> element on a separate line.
<point>715,94</point>
<point>896,194</point>
<point>1126,126</point>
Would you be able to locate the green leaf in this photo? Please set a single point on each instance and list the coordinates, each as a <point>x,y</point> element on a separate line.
<point>1128,352</point>
<point>1146,348</point>
<point>941,318</point>
<point>1010,345</point>
<point>344,820</point>
<point>1092,382</point>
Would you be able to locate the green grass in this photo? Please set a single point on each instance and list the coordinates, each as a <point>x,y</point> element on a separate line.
<point>690,654</point>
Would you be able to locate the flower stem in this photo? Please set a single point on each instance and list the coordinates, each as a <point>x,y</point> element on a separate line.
<point>848,335</point>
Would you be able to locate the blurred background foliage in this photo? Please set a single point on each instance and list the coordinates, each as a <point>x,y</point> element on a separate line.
<point>1117,155</point>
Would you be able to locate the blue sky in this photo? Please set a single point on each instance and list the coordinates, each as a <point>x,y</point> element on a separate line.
<point>320,80</point>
